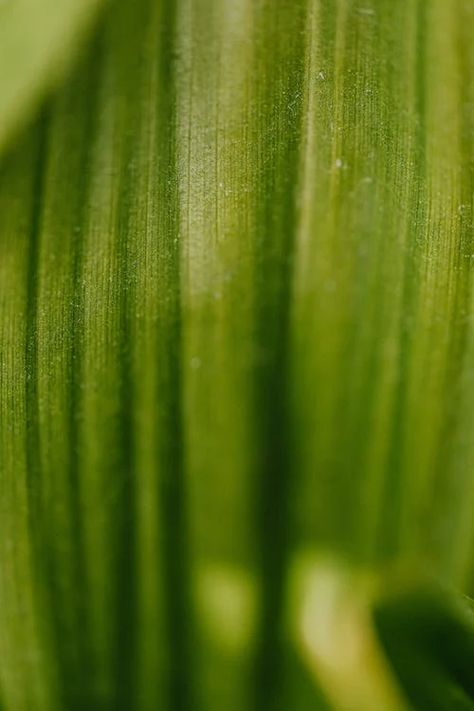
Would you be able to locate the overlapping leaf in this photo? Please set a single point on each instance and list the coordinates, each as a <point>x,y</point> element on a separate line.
<point>37,39</point>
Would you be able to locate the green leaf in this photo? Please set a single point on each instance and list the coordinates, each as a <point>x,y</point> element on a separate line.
<point>382,306</point>
<point>429,638</point>
<point>385,641</point>
<point>236,322</point>
<point>37,39</point>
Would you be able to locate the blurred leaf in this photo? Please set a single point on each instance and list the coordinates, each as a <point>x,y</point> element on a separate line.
<point>384,641</point>
<point>37,39</point>
<point>330,616</point>
<point>429,639</point>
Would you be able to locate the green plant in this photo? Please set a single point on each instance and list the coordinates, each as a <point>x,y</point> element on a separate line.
<point>237,354</point>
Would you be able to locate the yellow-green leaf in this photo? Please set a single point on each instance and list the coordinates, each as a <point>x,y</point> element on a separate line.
<point>37,39</point>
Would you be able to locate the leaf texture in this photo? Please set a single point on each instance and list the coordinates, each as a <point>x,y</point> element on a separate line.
<point>236,323</point>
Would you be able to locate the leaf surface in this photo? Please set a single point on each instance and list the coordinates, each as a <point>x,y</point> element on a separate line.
<point>236,321</point>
